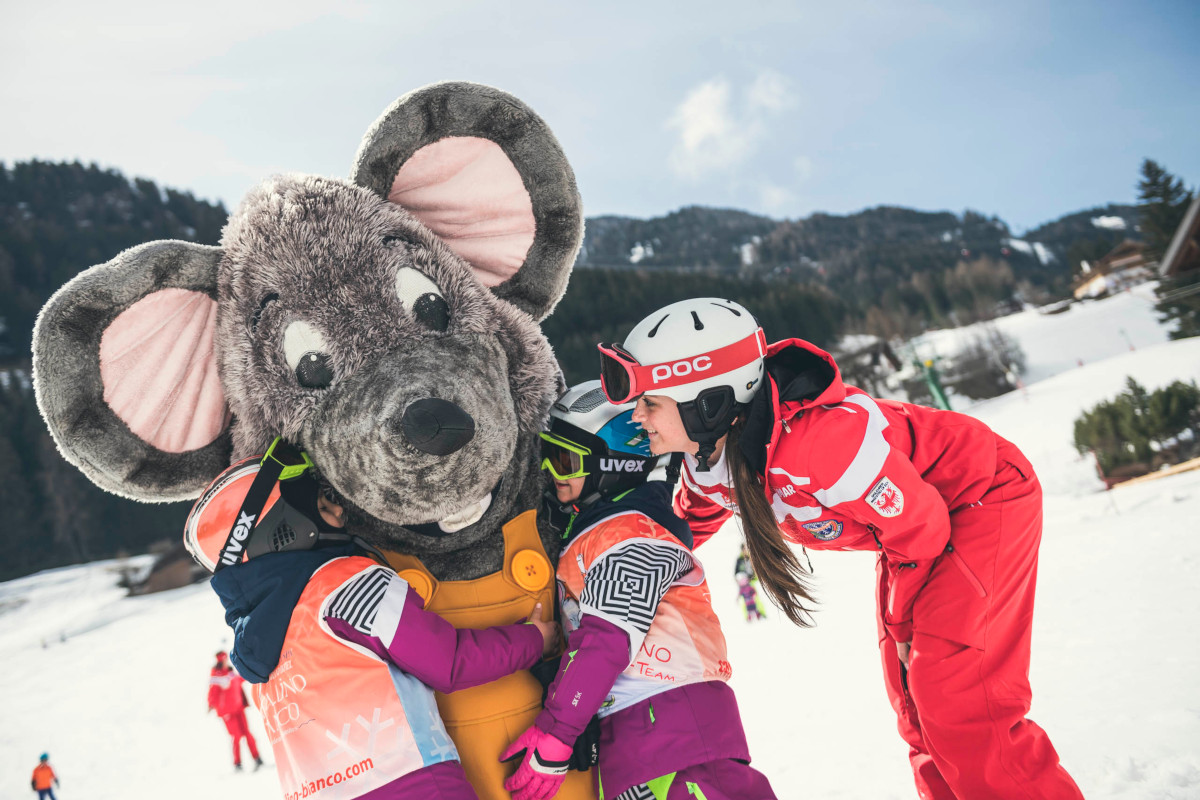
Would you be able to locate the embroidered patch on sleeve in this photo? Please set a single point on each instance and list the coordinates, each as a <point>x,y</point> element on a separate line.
<point>886,498</point>
<point>826,530</point>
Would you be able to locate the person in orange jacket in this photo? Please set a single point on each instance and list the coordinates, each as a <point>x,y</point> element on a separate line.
<point>227,697</point>
<point>43,777</point>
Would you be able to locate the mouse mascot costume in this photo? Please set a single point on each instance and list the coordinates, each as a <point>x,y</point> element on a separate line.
<point>389,325</point>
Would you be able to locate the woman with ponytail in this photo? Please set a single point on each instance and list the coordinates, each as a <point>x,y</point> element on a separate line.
<point>953,510</point>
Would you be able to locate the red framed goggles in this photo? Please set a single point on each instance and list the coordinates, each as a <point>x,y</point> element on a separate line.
<point>624,378</point>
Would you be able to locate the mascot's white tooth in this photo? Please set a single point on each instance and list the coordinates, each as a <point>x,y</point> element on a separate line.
<point>468,516</point>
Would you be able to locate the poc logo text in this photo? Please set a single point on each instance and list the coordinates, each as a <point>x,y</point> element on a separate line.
<point>687,366</point>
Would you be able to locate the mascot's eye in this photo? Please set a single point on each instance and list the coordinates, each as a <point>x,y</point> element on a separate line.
<point>307,354</point>
<point>423,299</point>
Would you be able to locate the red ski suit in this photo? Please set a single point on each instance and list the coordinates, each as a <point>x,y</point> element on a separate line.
<point>228,699</point>
<point>955,513</point>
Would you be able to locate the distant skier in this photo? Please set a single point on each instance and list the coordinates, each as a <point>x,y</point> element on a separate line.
<point>43,778</point>
<point>744,566</point>
<point>749,597</point>
<point>227,697</point>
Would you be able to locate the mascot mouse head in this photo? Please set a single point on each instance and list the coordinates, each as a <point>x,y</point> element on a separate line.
<point>388,324</point>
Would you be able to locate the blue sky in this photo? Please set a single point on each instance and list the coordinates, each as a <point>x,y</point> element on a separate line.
<point>1028,110</point>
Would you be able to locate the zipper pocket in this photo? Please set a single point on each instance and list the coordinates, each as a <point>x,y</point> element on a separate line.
<point>966,571</point>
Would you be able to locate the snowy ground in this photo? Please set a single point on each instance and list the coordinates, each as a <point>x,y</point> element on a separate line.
<point>1083,334</point>
<point>114,687</point>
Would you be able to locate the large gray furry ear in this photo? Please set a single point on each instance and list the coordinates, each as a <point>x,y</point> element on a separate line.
<point>485,173</point>
<point>125,372</point>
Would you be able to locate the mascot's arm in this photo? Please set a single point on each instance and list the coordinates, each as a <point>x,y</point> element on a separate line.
<point>395,626</point>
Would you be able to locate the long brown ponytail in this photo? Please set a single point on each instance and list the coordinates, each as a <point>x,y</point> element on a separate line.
<point>785,581</point>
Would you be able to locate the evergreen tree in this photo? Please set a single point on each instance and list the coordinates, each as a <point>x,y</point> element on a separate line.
<point>1179,301</point>
<point>1164,200</point>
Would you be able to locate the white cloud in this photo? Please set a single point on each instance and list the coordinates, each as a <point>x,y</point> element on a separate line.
<point>709,138</point>
<point>715,131</point>
<point>775,199</point>
<point>770,91</point>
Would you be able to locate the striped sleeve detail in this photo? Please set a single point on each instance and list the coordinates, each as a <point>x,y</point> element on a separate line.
<point>371,602</point>
<point>868,460</point>
<point>626,584</point>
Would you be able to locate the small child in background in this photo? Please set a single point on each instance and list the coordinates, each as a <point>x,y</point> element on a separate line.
<point>227,697</point>
<point>341,653</point>
<point>749,597</point>
<point>744,566</point>
<point>44,779</point>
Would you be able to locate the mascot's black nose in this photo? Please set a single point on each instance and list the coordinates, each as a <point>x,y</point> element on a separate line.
<point>436,426</point>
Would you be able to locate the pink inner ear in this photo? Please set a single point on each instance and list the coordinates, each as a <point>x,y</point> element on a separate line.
<point>467,191</point>
<point>159,370</point>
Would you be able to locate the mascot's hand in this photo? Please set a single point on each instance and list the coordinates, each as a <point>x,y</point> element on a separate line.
<point>544,762</point>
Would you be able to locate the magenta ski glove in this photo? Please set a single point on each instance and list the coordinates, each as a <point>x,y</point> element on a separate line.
<point>543,766</point>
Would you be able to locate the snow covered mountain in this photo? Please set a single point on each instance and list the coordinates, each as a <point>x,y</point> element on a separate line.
<point>114,687</point>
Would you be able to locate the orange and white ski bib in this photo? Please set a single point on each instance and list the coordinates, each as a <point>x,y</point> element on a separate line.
<point>341,721</point>
<point>677,642</point>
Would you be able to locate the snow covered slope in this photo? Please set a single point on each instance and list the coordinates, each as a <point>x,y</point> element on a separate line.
<point>1083,334</point>
<point>114,687</point>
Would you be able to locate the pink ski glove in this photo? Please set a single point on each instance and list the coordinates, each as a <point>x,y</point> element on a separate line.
<point>543,765</point>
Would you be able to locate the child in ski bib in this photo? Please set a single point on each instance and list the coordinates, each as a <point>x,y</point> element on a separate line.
<point>645,650</point>
<point>340,651</point>
<point>953,511</point>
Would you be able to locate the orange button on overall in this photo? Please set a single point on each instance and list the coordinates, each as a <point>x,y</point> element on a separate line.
<point>531,570</point>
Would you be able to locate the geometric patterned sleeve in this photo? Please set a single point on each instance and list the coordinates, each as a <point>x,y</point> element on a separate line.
<point>625,585</point>
<point>360,600</point>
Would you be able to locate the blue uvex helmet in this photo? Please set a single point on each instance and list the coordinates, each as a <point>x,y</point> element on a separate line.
<point>593,438</point>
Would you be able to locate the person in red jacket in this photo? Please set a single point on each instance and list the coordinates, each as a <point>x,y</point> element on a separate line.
<point>953,510</point>
<point>227,697</point>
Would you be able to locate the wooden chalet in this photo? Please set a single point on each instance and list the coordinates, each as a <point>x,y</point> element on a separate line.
<point>1124,266</point>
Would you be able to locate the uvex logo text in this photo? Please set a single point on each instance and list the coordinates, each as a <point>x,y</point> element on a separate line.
<point>621,465</point>
<point>233,548</point>
<point>687,366</point>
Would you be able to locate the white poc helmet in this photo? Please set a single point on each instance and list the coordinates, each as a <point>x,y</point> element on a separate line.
<point>706,354</point>
<point>682,337</point>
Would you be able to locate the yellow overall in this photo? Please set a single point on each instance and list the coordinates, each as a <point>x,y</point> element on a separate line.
<point>484,720</point>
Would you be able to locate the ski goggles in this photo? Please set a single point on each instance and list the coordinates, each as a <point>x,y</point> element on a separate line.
<point>563,458</point>
<point>289,460</point>
<point>281,462</point>
<point>625,378</point>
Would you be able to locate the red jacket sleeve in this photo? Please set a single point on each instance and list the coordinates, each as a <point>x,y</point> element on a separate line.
<point>858,474</point>
<point>703,515</point>
<point>214,692</point>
